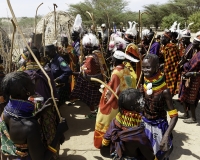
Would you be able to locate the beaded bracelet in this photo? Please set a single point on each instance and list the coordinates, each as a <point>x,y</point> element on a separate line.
<point>173,113</point>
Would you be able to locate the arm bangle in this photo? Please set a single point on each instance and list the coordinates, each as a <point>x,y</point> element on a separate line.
<point>173,113</point>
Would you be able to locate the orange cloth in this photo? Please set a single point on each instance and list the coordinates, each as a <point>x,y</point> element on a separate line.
<point>108,107</point>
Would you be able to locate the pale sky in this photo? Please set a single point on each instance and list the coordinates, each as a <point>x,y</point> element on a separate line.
<point>27,8</point>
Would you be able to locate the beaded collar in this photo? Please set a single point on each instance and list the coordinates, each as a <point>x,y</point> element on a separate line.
<point>129,118</point>
<point>19,108</point>
<point>155,84</point>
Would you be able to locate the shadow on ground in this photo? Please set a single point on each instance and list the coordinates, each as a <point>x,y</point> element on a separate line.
<point>75,116</point>
<point>178,138</point>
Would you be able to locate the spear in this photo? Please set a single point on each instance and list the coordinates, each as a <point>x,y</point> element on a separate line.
<point>36,23</point>
<point>35,58</point>
<point>11,50</point>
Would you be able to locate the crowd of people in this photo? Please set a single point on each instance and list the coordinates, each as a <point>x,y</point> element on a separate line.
<point>127,81</point>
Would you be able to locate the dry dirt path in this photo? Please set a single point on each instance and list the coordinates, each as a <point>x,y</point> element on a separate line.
<point>79,137</point>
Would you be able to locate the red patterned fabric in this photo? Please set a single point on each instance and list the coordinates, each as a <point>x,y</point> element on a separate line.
<point>171,67</point>
<point>191,94</point>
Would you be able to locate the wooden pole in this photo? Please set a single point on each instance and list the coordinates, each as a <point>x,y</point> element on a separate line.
<point>35,58</point>
<point>141,74</point>
<point>11,50</point>
<point>43,38</point>
<point>98,80</point>
<point>55,6</point>
<point>36,24</point>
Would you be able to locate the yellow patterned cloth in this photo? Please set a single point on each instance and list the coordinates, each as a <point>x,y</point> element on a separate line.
<point>121,79</point>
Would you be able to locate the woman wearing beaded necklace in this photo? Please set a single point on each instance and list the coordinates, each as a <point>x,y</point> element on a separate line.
<point>19,126</point>
<point>126,134</point>
<point>157,96</point>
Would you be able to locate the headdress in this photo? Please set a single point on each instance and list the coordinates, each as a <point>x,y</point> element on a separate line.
<point>77,27</point>
<point>103,25</point>
<point>122,56</point>
<point>145,32</point>
<point>173,27</point>
<point>132,29</point>
<point>117,43</point>
<point>197,34</point>
<point>90,40</point>
<point>186,32</point>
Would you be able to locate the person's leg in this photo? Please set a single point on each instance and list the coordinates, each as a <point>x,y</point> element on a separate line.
<point>186,112</point>
<point>93,113</point>
<point>193,115</point>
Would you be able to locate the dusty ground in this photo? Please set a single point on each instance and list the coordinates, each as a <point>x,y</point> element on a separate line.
<point>79,137</point>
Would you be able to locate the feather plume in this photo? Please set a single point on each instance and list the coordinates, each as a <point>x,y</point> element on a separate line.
<point>173,27</point>
<point>188,27</point>
<point>90,40</point>
<point>78,24</point>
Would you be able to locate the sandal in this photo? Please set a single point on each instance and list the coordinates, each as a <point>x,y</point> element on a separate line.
<point>189,121</point>
<point>183,116</point>
<point>91,116</point>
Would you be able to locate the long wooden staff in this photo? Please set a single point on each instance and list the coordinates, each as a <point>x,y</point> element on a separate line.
<point>98,80</point>
<point>104,61</point>
<point>11,50</point>
<point>141,74</point>
<point>36,60</point>
<point>36,24</point>
<point>55,6</point>
<point>43,38</point>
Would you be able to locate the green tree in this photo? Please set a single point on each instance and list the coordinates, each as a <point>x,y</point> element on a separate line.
<point>154,15</point>
<point>104,11</point>
<point>195,18</point>
<point>167,21</point>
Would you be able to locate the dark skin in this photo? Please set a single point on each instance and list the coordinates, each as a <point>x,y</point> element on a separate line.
<point>132,147</point>
<point>27,131</point>
<point>150,68</point>
<point>132,103</point>
<point>196,45</point>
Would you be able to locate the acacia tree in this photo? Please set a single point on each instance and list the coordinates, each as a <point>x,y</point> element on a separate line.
<point>167,21</point>
<point>104,11</point>
<point>195,18</point>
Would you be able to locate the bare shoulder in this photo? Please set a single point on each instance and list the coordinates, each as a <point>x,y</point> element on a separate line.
<point>167,94</point>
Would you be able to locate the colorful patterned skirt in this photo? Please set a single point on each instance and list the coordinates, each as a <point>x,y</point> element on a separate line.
<point>87,91</point>
<point>190,94</point>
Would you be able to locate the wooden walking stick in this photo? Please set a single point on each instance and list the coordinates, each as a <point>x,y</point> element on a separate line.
<point>11,50</point>
<point>43,38</point>
<point>104,61</point>
<point>55,6</point>
<point>36,60</point>
<point>36,24</point>
<point>141,74</point>
<point>98,80</point>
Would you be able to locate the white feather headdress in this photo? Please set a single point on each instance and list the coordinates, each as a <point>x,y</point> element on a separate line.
<point>145,32</point>
<point>173,27</point>
<point>78,24</point>
<point>132,28</point>
<point>90,40</point>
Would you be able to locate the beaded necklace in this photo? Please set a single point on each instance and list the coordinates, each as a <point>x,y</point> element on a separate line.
<point>129,118</point>
<point>155,84</point>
